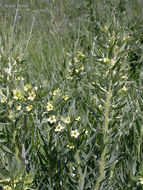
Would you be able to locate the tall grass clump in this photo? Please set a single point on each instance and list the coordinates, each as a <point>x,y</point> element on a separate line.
<point>71,95</point>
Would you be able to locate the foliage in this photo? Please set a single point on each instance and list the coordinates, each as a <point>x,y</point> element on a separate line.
<point>71,95</point>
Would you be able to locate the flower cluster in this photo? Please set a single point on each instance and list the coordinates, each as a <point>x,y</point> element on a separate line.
<point>75,65</point>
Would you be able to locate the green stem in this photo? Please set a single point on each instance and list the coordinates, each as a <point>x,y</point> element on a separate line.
<point>140,142</point>
<point>103,158</point>
<point>114,164</point>
<point>51,181</point>
<point>77,158</point>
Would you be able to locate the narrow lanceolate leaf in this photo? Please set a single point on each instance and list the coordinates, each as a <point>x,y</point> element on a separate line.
<point>83,179</point>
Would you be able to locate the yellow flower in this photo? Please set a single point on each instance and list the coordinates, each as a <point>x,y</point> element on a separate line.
<point>36,88</point>
<point>141,181</point>
<point>81,68</point>
<point>67,120</point>
<point>29,107</point>
<point>76,60</point>
<point>124,77</point>
<point>65,97</point>
<point>32,95</point>
<point>18,108</point>
<point>27,87</point>
<point>86,132</point>
<point>52,119</point>
<point>106,60</point>
<point>59,128</point>
<point>75,133</point>
<point>80,54</point>
<point>100,106</point>
<point>56,91</point>
<point>49,106</point>
<point>6,187</point>
<point>5,180</point>
<point>77,70</point>
<point>126,38</point>
<point>20,78</point>
<point>16,181</point>
<point>77,118</point>
<point>124,89</point>
<point>70,146</point>
<point>105,27</point>
<point>3,100</point>
<point>18,95</point>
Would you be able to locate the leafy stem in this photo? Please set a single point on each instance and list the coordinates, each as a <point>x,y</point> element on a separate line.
<point>103,158</point>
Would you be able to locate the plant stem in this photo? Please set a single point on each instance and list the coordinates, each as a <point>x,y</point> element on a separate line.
<point>79,169</point>
<point>23,140</point>
<point>102,161</point>
<point>51,180</point>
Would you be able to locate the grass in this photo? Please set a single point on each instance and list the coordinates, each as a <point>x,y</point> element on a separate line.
<point>71,95</point>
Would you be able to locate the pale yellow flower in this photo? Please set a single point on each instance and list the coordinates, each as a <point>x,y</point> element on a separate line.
<point>141,181</point>
<point>27,87</point>
<point>18,108</point>
<point>55,92</point>
<point>6,187</point>
<point>86,132</point>
<point>18,95</point>
<point>75,133</point>
<point>76,60</point>
<point>5,180</point>
<point>67,120</point>
<point>100,106</point>
<point>49,106</point>
<point>32,95</point>
<point>15,182</point>
<point>126,38</point>
<point>105,27</point>
<point>80,54</point>
<point>52,119</point>
<point>20,78</point>
<point>29,108</point>
<point>59,128</point>
<point>81,68</point>
<point>70,146</point>
<point>65,97</point>
<point>106,60</point>
<point>124,77</point>
<point>77,118</point>
<point>3,100</point>
<point>124,89</point>
<point>77,70</point>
